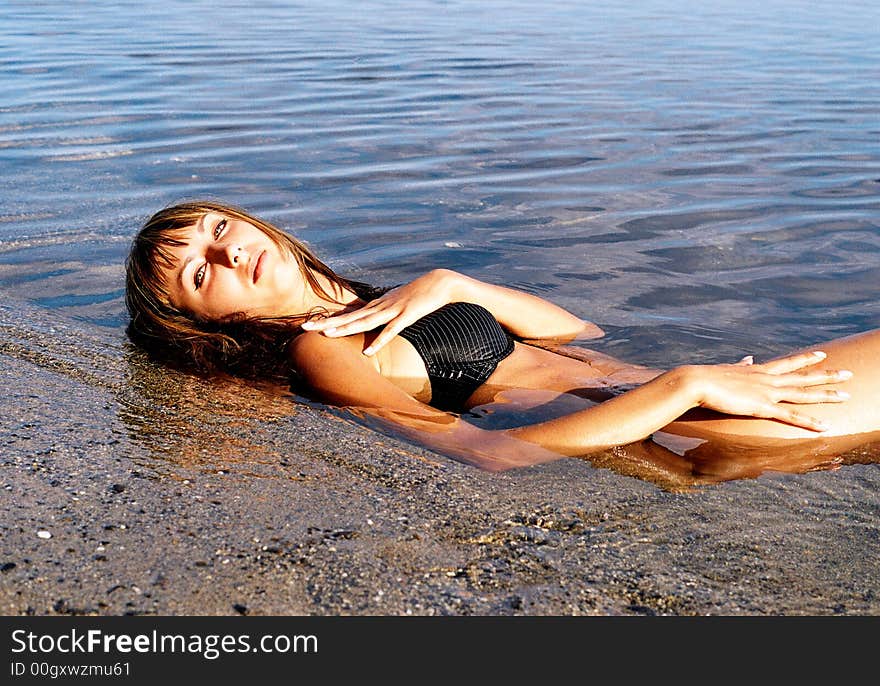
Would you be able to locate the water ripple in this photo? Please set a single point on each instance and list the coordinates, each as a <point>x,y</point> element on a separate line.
<point>717,161</point>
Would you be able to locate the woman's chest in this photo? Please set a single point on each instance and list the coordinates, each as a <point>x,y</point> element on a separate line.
<point>400,363</point>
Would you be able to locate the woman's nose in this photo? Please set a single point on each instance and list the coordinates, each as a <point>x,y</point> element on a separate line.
<point>226,254</point>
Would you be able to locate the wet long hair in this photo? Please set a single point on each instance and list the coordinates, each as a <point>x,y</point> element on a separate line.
<point>242,345</point>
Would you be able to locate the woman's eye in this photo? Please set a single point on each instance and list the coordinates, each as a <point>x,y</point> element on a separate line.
<point>199,277</point>
<point>219,228</point>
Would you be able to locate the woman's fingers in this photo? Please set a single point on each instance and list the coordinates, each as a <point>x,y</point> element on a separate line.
<point>390,331</point>
<point>366,322</point>
<point>817,378</point>
<point>363,319</point>
<point>366,318</point>
<point>802,392</point>
<point>796,418</point>
<point>336,320</point>
<point>792,363</point>
<point>809,396</point>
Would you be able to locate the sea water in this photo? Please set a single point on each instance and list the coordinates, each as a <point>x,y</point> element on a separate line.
<point>703,181</point>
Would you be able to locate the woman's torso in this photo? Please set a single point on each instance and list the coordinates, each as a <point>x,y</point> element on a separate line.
<point>701,446</point>
<point>532,375</point>
<point>529,375</point>
<point>526,368</point>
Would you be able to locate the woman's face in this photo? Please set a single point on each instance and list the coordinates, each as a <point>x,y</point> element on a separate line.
<point>228,266</point>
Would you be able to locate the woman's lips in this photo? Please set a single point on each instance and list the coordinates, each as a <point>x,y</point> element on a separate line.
<point>258,267</point>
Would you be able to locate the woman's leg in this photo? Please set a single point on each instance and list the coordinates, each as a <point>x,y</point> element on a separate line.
<point>860,414</point>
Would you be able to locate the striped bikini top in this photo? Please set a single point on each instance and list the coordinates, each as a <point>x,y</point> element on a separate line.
<point>461,344</point>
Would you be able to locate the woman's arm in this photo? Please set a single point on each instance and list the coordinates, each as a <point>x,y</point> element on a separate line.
<point>524,315</point>
<point>339,373</point>
<point>771,391</point>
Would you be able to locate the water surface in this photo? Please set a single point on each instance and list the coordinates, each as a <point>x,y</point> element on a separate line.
<point>703,182</point>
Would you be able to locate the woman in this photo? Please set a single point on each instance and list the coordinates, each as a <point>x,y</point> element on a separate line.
<point>212,286</point>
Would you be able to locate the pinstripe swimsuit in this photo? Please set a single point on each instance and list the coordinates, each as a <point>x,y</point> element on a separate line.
<point>461,344</point>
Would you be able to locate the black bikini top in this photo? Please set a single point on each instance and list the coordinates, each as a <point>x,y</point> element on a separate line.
<point>461,344</point>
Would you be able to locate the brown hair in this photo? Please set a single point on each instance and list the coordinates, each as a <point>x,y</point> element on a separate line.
<point>238,344</point>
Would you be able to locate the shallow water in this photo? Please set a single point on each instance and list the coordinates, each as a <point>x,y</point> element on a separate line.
<point>702,182</point>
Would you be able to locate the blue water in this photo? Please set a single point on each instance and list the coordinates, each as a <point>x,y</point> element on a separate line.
<point>703,180</point>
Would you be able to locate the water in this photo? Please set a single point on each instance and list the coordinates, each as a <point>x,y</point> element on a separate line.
<point>700,179</point>
<point>703,182</point>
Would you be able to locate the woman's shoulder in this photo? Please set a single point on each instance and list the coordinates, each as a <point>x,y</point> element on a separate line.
<point>312,345</point>
<point>336,369</point>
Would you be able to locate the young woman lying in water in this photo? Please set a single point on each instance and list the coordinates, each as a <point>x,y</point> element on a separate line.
<point>220,290</point>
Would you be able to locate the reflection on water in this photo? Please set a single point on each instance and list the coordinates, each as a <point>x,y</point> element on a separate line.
<point>678,464</point>
<point>688,458</point>
<point>195,421</point>
<point>703,182</point>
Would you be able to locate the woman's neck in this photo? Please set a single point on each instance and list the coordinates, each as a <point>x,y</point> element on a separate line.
<point>341,298</point>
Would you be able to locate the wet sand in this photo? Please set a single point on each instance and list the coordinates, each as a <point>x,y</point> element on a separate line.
<point>169,495</point>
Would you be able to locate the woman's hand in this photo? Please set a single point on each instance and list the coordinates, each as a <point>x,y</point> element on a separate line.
<point>397,309</point>
<point>767,390</point>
